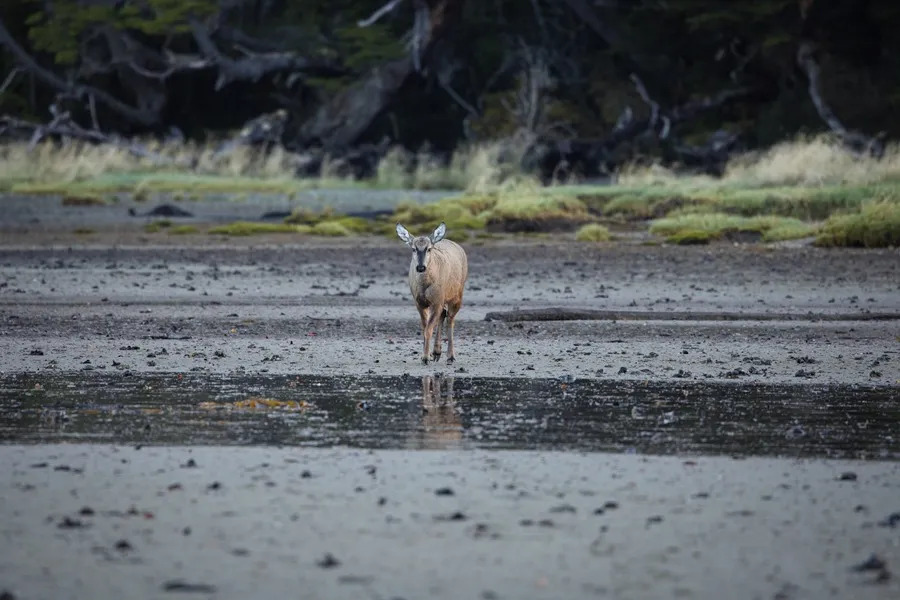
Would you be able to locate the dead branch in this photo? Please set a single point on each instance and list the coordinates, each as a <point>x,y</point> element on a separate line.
<point>856,141</point>
<point>645,96</point>
<point>9,79</point>
<point>72,89</point>
<point>590,154</point>
<point>254,66</point>
<point>373,18</point>
<point>341,122</point>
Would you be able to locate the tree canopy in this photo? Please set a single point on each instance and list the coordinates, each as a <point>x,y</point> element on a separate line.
<point>681,79</point>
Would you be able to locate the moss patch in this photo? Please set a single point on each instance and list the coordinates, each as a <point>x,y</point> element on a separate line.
<point>875,225</point>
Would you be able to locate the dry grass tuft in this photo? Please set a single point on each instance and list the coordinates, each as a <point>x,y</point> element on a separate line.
<point>813,161</point>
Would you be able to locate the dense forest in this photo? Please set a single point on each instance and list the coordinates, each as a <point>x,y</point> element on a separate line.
<point>576,84</point>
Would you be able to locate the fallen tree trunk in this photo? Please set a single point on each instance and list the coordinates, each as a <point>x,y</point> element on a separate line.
<point>577,314</point>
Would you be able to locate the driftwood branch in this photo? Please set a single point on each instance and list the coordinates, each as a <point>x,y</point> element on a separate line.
<point>72,89</point>
<point>570,314</point>
<point>253,66</point>
<point>858,142</point>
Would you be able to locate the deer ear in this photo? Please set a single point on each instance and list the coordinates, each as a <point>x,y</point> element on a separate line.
<point>438,234</point>
<point>404,234</point>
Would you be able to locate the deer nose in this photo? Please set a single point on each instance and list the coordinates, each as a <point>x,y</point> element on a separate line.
<point>420,268</point>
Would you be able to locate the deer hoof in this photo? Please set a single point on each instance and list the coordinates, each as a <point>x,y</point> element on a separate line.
<point>451,360</point>
<point>424,360</point>
<point>436,357</point>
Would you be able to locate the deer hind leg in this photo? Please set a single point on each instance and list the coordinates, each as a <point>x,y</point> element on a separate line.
<point>452,309</point>
<point>438,335</point>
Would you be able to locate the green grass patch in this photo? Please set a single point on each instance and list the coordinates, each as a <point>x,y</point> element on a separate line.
<point>592,232</point>
<point>83,231</point>
<point>641,202</point>
<point>82,200</point>
<point>331,229</point>
<point>875,225</point>
<point>156,226</point>
<point>690,237</point>
<point>511,210</point>
<point>183,230</point>
<point>704,227</point>
<point>242,228</point>
<point>189,185</point>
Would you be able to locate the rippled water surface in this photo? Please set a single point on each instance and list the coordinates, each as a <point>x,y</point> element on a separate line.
<point>454,412</point>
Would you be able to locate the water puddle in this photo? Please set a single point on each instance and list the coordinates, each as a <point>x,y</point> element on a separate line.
<point>447,412</point>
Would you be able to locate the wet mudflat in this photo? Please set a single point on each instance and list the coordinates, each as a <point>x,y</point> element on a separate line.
<point>447,412</point>
<point>215,419</point>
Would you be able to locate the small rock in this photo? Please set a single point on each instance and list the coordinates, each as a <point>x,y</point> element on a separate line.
<point>178,585</point>
<point>892,520</point>
<point>873,563</point>
<point>123,546</point>
<point>70,523</point>
<point>847,476</point>
<point>328,561</point>
<point>444,491</point>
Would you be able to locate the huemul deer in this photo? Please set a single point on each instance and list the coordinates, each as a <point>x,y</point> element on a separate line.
<point>437,276</point>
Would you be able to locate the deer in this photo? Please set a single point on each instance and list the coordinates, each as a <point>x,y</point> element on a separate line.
<point>437,275</point>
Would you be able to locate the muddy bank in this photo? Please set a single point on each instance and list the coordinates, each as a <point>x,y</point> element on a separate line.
<point>101,522</point>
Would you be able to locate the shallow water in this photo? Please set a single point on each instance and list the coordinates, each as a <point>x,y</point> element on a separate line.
<point>454,412</point>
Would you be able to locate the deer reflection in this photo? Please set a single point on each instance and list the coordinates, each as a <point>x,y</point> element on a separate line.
<point>441,423</point>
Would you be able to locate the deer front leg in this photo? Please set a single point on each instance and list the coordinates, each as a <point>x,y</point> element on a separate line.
<point>433,316</point>
<point>423,316</point>
<point>439,336</point>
